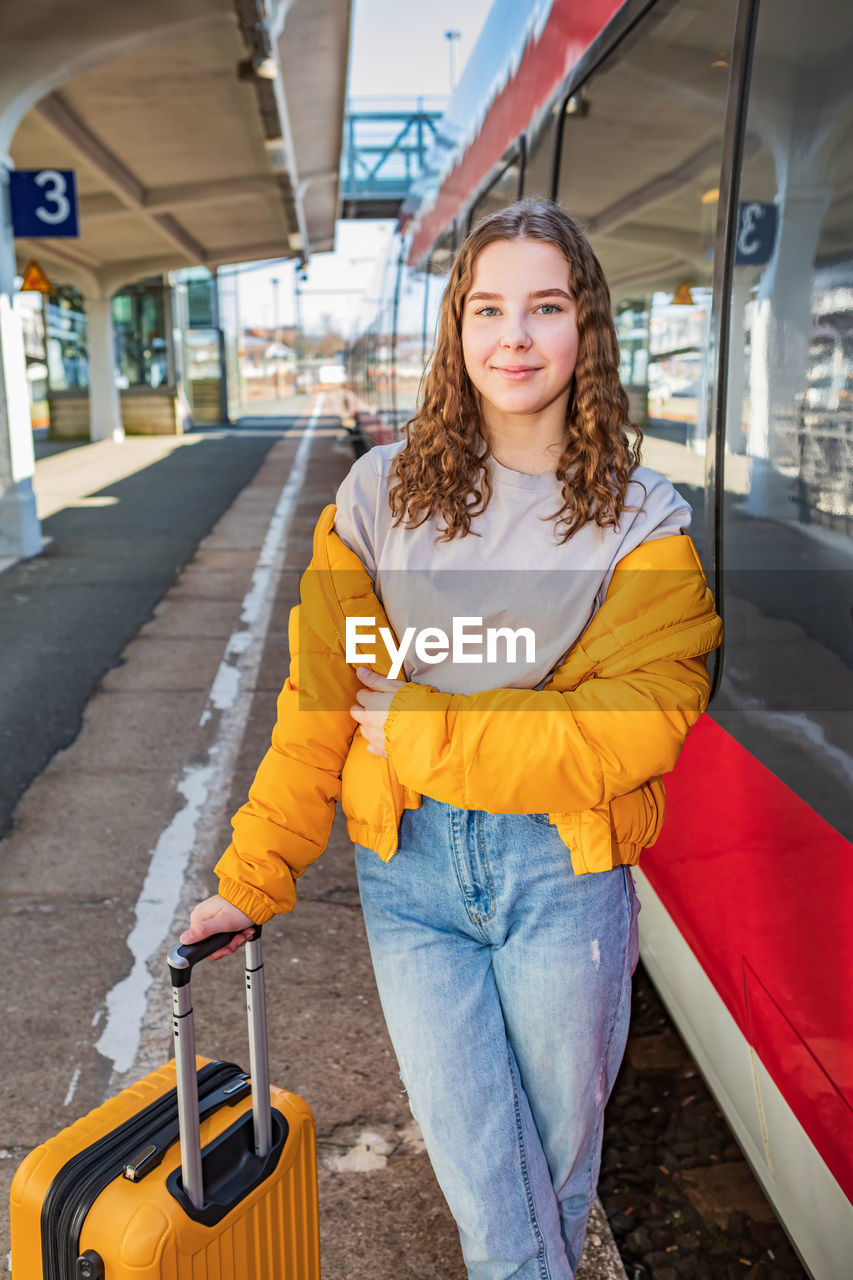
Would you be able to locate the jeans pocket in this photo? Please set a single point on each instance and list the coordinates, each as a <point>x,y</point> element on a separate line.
<point>540,817</point>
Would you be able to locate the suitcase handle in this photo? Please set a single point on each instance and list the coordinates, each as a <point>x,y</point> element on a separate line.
<point>181,961</point>
<point>182,958</point>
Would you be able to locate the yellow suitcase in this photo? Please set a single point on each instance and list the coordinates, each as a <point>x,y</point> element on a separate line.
<point>183,1176</point>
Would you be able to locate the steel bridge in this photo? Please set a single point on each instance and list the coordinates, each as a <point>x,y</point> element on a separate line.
<point>386,145</point>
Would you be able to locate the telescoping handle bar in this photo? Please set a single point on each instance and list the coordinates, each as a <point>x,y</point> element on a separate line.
<point>181,962</point>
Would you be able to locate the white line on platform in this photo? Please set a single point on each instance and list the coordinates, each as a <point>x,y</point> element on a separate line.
<point>205,786</point>
<point>72,1088</point>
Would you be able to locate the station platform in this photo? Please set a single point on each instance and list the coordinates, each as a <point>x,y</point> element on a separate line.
<point>142,656</point>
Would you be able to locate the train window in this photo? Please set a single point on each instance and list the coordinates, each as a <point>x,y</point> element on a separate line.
<point>502,191</point>
<point>639,170</point>
<point>539,166</point>
<point>381,375</point>
<point>432,302</point>
<point>443,252</point>
<point>787,691</point>
<point>417,310</point>
<point>633,323</point>
<point>386,361</point>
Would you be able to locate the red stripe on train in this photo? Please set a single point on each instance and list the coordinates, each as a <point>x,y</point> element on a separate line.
<point>761,888</point>
<point>569,31</point>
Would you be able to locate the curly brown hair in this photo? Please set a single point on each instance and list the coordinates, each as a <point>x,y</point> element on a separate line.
<point>439,467</point>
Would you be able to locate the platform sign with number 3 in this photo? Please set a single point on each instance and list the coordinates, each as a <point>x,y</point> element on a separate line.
<point>44,202</point>
<point>756,233</point>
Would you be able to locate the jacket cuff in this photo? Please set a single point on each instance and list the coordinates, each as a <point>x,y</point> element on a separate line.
<point>257,906</point>
<point>412,697</point>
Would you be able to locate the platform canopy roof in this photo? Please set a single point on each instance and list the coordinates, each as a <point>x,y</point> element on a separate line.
<point>183,156</point>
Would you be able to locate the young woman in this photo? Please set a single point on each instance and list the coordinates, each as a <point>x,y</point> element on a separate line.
<point>497,794</point>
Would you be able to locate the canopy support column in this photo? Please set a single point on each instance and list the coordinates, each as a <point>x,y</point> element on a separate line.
<point>104,401</point>
<point>20,531</point>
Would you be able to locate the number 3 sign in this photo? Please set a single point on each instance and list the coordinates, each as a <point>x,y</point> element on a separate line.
<point>44,202</point>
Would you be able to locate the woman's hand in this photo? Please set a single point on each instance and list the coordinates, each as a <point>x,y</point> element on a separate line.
<point>371,711</point>
<point>216,915</point>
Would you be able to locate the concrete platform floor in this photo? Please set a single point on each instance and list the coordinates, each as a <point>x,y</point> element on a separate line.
<point>114,841</point>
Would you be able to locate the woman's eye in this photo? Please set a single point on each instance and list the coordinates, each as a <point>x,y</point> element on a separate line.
<point>546,308</point>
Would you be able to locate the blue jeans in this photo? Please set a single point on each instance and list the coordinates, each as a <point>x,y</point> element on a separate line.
<point>505,980</point>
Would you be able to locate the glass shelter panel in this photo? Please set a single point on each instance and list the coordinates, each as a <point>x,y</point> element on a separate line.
<point>787,690</point>
<point>234,341</point>
<point>203,355</point>
<point>66,340</point>
<point>140,328</point>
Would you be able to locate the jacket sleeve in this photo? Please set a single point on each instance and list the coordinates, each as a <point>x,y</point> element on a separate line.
<point>285,824</point>
<point>627,698</point>
<point>531,751</point>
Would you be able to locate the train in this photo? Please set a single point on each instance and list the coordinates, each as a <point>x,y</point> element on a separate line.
<point>706,149</point>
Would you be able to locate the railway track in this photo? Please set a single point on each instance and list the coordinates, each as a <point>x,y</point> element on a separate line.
<point>681,1200</point>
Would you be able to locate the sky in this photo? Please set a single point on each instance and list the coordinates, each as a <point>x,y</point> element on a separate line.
<point>398,50</point>
<point>399,47</point>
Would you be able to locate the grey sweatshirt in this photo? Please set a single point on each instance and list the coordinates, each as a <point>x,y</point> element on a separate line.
<point>515,576</point>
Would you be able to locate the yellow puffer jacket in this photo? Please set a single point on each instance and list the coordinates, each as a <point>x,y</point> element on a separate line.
<point>588,749</point>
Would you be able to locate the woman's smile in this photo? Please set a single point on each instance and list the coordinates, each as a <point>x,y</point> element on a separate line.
<point>517,373</point>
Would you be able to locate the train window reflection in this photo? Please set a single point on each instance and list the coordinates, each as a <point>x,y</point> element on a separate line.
<point>787,690</point>
<point>386,360</point>
<point>639,170</point>
<point>417,312</point>
<point>443,252</point>
<point>539,163</point>
<point>679,329</point>
<point>503,190</point>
